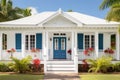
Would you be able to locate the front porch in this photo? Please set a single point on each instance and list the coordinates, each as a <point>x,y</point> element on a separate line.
<point>76,41</point>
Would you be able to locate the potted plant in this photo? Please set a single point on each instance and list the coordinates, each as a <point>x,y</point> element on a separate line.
<point>69,51</point>
<point>109,51</point>
<point>88,51</point>
<point>11,51</point>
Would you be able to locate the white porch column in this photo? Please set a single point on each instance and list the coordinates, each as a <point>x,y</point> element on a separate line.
<point>47,45</point>
<point>44,52</point>
<point>23,45</point>
<point>0,46</point>
<point>117,46</point>
<point>73,46</point>
<point>75,52</point>
<point>96,45</point>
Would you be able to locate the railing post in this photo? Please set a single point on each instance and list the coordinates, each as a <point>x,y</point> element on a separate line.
<point>45,60</point>
<point>76,60</point>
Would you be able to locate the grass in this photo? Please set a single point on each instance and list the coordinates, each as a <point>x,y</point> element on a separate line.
<point>20,77</point>
<point>100,76</point>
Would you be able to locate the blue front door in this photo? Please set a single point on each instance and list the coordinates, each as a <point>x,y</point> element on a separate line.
<point>59,47</point>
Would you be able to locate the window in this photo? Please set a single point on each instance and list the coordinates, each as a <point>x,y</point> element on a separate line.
<point>4,41</point>
<point>89,41</point>
<point>29,42</point>
<point>113,41</point>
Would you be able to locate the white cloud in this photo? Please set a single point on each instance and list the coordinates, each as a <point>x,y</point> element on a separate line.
<point>33,11</point>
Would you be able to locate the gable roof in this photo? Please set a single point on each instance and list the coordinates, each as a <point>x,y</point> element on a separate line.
<point>41,18</point>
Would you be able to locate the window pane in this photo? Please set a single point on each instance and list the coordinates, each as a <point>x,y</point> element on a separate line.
<point>4,41</point>
<point>32,41</point>
<point>62,44</point>
<point>92,41</point>
<point>26,42</point>
<point>87,43</point>
<point>56,41</point>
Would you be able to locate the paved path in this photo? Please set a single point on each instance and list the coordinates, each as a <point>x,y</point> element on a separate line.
<point>61,76</point>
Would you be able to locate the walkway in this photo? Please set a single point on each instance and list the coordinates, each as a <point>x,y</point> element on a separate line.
<point>61,76</point>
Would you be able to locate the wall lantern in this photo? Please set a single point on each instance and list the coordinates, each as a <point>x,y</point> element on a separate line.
<point>68,38</point>
<point>50,39</point>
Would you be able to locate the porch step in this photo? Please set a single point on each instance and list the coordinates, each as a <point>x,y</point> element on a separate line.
<point>60,66</point>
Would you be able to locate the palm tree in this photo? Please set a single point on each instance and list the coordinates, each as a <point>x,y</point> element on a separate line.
<point>114,13</point>
<point>7,12</point>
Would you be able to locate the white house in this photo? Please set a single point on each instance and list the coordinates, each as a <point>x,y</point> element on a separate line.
<point>54,33</point>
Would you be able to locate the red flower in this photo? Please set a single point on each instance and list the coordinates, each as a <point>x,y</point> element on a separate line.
<point>88,51</point>
<point>8,51</point>
<point>36,63</point>
<point>85,64</point>
<point>11,50</point>
<point>69,51</point>
<point>35,50</point>
<point>109,51</point>
<point>91,49</point>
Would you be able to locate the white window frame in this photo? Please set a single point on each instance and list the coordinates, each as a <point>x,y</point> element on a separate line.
<point>29,46</point>
<point>4,35</point>
<point>90,38</point>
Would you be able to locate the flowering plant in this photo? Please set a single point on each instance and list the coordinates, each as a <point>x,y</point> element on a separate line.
<point>85,64</point>
<point>11,51</point>
<point>36,63</point>
<point>109,51</point>
<point>34,50</point>
<point>88,51</point>
<point>69,51</point>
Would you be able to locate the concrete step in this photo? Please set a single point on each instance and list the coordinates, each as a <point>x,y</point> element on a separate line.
<point>61,69</point>
<point>58,66</point>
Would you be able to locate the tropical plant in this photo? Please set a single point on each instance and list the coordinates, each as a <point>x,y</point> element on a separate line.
<point>114,13</point>
<point>100,65</point>
<point>117,67</point>
<point>22,65</point>
<point>8,12</point>
<point>3,67</point>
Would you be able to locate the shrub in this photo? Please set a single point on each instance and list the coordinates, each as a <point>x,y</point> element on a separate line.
<point>117,67</point>
<point>22,65</point>
<point>3,67</point>
<point>100,65</point>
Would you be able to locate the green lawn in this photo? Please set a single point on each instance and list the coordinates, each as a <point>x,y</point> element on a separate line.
<point>100,77</point>
<point>20,77</point>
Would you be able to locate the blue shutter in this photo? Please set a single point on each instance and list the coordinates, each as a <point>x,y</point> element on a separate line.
<point>39,40</point>
<point>100,41</point>
<point>80,40</point>
<point>18,41</point>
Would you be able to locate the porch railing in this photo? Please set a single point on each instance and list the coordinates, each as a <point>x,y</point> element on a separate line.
<point>82,56</point>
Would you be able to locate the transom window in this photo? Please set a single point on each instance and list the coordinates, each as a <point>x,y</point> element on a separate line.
<point>89,41</point>
<point>29,42</point>
<point>4,41</point>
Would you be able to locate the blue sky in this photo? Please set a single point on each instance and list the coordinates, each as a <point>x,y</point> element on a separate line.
<point>89,7</point>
